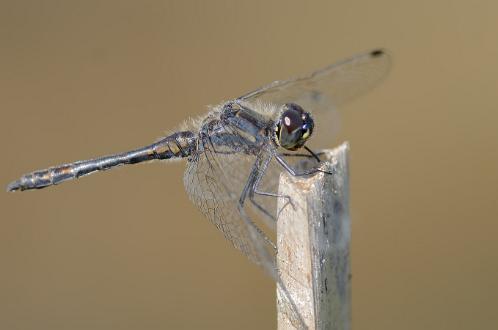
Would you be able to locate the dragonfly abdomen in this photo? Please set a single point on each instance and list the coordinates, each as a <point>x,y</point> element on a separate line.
<point>177,145</point>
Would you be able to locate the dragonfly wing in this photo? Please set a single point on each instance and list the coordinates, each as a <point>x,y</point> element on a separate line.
<point>214,182</point>
<point>329,87</point>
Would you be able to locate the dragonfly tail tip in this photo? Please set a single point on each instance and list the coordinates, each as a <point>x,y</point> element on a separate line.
<point>13,186</point>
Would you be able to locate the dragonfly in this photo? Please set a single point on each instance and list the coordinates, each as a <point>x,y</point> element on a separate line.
<point>235,153</point>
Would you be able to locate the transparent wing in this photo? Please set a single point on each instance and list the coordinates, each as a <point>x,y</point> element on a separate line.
<point>214,182</point>
<point>329,87</point>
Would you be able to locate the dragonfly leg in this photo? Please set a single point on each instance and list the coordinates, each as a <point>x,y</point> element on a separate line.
<point>311,154</point>
<point>295,172</point>
<point>260,208</point>
<point>265,211</point>
<point>254,190</point>
<point>248,192</point>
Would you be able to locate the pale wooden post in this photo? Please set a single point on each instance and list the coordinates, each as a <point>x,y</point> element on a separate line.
<point>313,240</point>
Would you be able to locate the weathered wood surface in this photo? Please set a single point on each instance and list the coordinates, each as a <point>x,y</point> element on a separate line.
<point>313,241</point>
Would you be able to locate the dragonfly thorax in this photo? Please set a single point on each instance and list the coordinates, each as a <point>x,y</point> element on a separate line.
<point>293,127</point>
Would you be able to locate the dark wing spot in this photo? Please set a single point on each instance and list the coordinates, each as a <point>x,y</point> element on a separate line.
<point>377,53</point>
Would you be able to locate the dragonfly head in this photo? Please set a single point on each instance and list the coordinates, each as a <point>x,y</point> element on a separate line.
<point>293,127</point>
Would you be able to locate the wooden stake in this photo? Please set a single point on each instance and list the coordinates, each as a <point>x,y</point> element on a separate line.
<point>313,240</point>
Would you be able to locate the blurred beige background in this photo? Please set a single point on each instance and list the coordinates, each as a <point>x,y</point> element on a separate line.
<point>126,249</point>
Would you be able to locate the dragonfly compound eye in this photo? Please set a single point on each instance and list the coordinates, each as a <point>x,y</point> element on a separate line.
<point>294,127</point>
